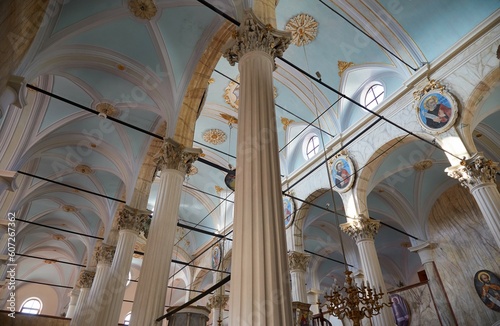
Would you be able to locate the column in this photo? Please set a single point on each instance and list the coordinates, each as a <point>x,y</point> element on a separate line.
<point>363,231</point>
<point>97,294</point>
<point>478,175</point>
<point>174,160</point>
<point>73,299</point>
<point>260,279</point>
<point>131,222</point>
<point>216,304</point>
<point>84,282</point>
<point>426,253</point>
<point>189,316</point>
<point>297,262</point>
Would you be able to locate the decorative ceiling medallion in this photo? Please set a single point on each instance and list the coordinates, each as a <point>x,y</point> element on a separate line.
<point>144,9</point>
<point>232,93</point>
<point>192,170</point>
<point>422,165</point>
<point>69,208</point>
<point>49,262</point>
<point>304,29</point>
<point>83,169</point>
<point>214,136</point>
<point>58,237</point>
<point>120,67</point>
<point>107,109</point>
<point>343,65</point>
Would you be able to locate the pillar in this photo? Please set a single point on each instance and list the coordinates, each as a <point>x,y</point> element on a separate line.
<point>217,303</point>
<point>73,299</point>
<point>131,222</point>
<point>363,231</point>
<point>97,295</point>
<point>84,282</point>
<point>260,279</point>
<point>174,160</point>
<point>426,253</point>
<point>190,316</point>
<point>478,175</point>
<point>298,262</point>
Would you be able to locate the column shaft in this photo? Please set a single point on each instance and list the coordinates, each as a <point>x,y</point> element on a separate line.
<point>488,200</point>
<point>73,299</point>
<point>97,295</point>
<point>78,315</point>
<point>149,301</point>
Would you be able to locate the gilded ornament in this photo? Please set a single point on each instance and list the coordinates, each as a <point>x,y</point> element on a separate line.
<point>214,136</point>
<point>83,169</point>
<point>144,9</point>
<point>431,85</point>
<point>229,118</point>
<point>58,237</point>
<point>69,208</point>
<point>286,122</point>
<point>422,165</point>
<point>343,65</point>
<point>106,109</point>
<point>232,93</point>
<point>304,29</point>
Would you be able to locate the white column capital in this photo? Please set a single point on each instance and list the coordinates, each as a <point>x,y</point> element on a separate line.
<point>217,301</point>
<point>361,228</point>
<point>254,35</point>
<point>85,279</point>
<point>134,219</point>
<point>105,253</point>
<point>298,261</point>
<point>474,171</point>
<point>425,250</point>
<point>175,156</point>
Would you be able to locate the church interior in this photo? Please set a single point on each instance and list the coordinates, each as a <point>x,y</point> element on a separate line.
<point>229,162</point>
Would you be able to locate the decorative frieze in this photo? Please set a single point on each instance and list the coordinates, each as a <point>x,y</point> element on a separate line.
<point>218,301</point>
<point>361,228</point>
<point>298,260</point>
<point>253,35</point>
<point>105,253</point>
<point>474,171</point>
<point>85,279</point>
<point>130,218</point>
<point>175,156</point>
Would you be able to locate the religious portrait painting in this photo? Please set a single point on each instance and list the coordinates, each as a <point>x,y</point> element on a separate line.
<point>342,171</point>
<point>216,254</point>
<point>400,310</point>
<point>437,111</point>
<point>288,210</point>
<point>488,288</point>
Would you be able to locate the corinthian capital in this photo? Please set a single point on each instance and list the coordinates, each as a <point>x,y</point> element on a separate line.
<point>298,260</point>
<point>105,253</point>
<point>130,218</point>
<point>175,156</point>
<point>361,228</point>
<point>474,171</point>
<point>86,278</point>
<point>253,35</point>
<point>217,301</point>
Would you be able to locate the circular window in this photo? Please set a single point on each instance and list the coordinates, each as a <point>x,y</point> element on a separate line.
<point>374,95</point>
<point>31,306</point>
<point>312,146</point>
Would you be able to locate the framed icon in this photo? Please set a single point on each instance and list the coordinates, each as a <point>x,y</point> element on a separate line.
<point>400,310</point>
<point>437,111</point>
<point>288,210</point>
<point>216,254</point>
<point>488,288</point>
<point>343,173</point>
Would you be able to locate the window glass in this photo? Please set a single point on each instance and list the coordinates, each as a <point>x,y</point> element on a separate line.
<point>312,147</point>
<point>32,306</point>
<point>374,95</point>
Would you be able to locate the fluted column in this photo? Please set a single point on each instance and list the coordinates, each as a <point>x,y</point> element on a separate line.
<point>73,299</point>
<point>131,222</point>
<point>478,175</point>
<point>174,161</point>
<point>443,307</point>
<point>217,303</point>
<point>297,262</point>
<point>97,295</point>
<point>260,280</point>
<point>84,282</point>
<point>363,231</point>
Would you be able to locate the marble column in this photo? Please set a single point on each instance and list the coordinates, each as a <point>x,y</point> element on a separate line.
<point>478,175</point>
<point>438,292</point>
<point>84,283</point>
<point>363,231</point>
<point>97,295</point>
<point>297,262</point>
<point>216,304</point>
<point>260,279</point>
<point>73,299</point>
<point>131,222</point>
<point>174,160</point>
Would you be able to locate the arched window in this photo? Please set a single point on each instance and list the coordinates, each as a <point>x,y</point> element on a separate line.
<point>374,95</point>
<point>312,146</point>
<point>32,306</point>
<point>126,320</point>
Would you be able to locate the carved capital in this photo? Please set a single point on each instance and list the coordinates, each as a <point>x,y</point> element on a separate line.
<point>253,35</point>
<point>85,279</point>
<point>361,228</point>
<point>175,156</point>
<point>217,301</point>
<point>133,219</point>
<point>298,260</point>
<point>474,171</point>
<point>105,253</point>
